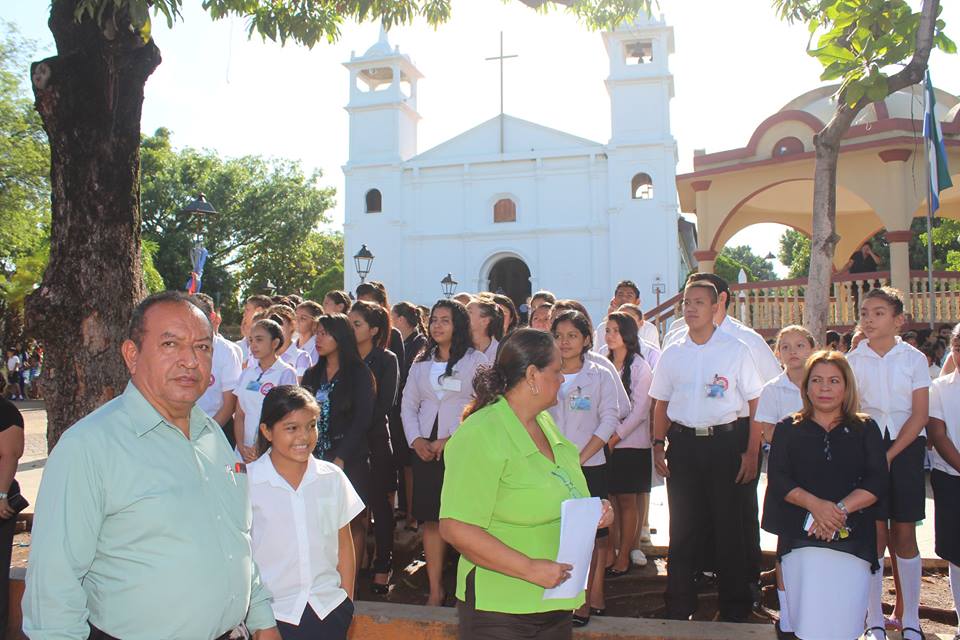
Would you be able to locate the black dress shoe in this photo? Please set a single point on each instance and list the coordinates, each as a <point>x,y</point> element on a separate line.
<point>580,621</point>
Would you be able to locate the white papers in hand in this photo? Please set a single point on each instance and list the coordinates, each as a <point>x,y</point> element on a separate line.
<point>578,530</point>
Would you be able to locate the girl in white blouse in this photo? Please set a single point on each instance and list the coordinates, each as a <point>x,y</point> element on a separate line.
<point>302,508</point>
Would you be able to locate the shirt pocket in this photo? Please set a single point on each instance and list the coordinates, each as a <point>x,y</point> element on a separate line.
<point>323,515</point>
<point>233,492</point>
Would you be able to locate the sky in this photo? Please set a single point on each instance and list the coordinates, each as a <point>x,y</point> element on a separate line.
<point>735,64</point>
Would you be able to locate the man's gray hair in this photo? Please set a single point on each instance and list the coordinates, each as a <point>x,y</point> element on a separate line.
<point>135,329</point>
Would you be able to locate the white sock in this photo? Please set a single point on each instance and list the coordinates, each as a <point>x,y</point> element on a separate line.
<point>875,602</point>
<point>955,588</point>
<point>910,570</point>
<point>785,623</point>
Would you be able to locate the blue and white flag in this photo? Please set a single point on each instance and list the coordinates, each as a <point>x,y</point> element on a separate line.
<point>938,172</point>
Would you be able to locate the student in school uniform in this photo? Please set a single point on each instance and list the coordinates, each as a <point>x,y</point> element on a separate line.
<point>307,314</point>
<point>218,400</point>
<point>699,386</point>
<point>779,399</point>
<point>511,318</point>
<point>486,325</point>
<point>541,298</point>
<point>944,431</point>
<point>265,340</point>
<point>826,473</point>
<point>439,386</point>
<point>336,301</point>
<point>408,321</point>
<point>345,389</point>
<point>289,353</point>
<point>630,460</point>
<point>540,317</point>
<point>251,307</point>
<point>627,292</point>
<point>649,350</point>
<point>587,413</point>
<point>893,382</point>
<point>302,508</point>
<point>371,326</point>
<point>374,291</point>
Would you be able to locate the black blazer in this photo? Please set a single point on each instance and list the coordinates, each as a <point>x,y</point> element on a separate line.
<point>386,371</point>
<point>352,403</point>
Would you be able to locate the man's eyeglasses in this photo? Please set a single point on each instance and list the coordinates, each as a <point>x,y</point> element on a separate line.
<point>564,477</point>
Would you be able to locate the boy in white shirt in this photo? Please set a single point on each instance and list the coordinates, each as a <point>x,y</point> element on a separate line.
<point>893,379</point>
<point>218,401</point>
<point>699,385</point>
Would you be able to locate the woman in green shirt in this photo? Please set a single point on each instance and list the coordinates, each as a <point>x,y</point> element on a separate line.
<point>508,469</point>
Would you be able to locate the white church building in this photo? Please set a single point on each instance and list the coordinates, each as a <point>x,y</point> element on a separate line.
<point>511,205</point>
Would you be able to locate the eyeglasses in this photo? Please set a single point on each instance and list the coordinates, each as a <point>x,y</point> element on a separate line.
<point>564,477</point>
<point>826,447</point>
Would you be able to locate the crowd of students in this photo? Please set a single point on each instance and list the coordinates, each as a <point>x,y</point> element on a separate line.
<point>347,407</point>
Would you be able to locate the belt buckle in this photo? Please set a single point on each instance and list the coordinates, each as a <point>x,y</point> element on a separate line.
<point>703,431</point>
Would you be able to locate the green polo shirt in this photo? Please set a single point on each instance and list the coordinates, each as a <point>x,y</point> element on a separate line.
<point>142,532</point>
<point>498,480</point>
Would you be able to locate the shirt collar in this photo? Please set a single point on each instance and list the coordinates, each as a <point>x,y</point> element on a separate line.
<point>864,346</point>
<point>518,433</point>
<point>262,471</point>
<point>784,381</point>
<point>146,418</point>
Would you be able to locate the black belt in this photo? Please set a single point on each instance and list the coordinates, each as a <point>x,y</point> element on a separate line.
<point>677,429</point>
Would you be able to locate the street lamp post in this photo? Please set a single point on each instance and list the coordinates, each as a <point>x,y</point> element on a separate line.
<point>198,254</point>
<point>364,262</point>
<point>449,285</point>
<point>659,287</point>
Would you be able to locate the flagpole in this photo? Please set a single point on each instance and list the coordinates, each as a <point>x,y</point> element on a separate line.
<point>926,147</point>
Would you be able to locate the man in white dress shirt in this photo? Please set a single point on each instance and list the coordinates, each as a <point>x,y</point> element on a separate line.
<point>218,400</point>
<point>626,292</point>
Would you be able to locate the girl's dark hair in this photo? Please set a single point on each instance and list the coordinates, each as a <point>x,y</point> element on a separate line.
<point>519,350</point>
<point>279,402</point>
<point>490,309</point>
<point>352,366</point>
<point>629,333</point>
<point>580,322</point>
<point>505,301</point>
<point>272,328</point>
<point>311,307</point>
<point>632,307</point>
<point>375,290</point>
<point>340,298</point>
<point>377,317</point>
<point>411,313</point>
<point>461,342</point>
<point>567,304</point>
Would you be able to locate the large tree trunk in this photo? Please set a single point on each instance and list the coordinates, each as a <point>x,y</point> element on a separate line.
<point>90,97</point>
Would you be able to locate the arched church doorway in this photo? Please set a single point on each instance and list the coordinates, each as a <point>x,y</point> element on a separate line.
<point>511,277</point>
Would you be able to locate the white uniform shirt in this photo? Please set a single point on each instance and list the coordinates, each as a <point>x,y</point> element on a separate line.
<point>491,351</point>
<point>296,358</point>
<point>310,347</point>
<point>779,399</point>
<point>13,363</point>
<point>254,384</point>
<point>224,374</point>
<point>706,384</point>
<point>945,405</point>
<point>294,535</point>
<point>244,350</point>
<point>886,384</point>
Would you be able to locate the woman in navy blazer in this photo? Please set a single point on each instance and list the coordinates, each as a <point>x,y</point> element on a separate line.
<point>439,387</point>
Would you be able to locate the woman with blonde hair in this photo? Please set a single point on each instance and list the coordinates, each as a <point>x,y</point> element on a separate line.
<point>827,471</point>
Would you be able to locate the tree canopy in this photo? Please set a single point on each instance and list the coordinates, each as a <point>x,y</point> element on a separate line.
<point>732,259</point>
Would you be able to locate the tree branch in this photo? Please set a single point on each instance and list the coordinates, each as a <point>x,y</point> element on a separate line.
<point>915,69</point>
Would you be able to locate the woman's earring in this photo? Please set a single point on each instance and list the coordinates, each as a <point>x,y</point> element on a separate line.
<point>535,389</point>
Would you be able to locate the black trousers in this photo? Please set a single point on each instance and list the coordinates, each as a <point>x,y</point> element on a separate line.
<point>493,625</point>
<point>703,494</point>
<point>7,528</point>
<point>382,483</point>
<point>333,627</point>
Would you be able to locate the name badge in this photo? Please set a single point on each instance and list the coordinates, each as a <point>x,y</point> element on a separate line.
<point>580,403</point>
<point>253,386</point>
<point>450,384</point>
<point>717,387</point>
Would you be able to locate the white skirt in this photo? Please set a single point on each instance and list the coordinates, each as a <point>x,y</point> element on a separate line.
<point>826,593</point>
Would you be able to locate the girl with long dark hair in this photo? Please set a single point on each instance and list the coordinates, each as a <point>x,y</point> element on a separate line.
<point>631,463</point>
<point>587,413</point>
<point>346,392</point>
<point>438,388</point>
<point>371,325</point>
<point>408,321</point>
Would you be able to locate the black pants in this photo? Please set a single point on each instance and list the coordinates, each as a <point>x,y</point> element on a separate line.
<point>493,625</point>
<point>7,528</point>
<point>333,627</point>
<point>382,476</point>
<point>751,508</point>
<point>703,494</point>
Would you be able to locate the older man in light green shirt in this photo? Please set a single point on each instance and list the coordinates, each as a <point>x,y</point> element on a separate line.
<point>142,527</point>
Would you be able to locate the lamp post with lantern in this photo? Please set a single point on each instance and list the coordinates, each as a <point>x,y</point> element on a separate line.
<point>364,262</point>
<point>449,285</point>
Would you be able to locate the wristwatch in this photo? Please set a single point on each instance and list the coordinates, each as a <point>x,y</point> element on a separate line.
<point>658,441</point>
<point>842,507</point>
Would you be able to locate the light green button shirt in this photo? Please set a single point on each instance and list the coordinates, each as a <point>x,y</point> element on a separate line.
<point>142,532</point>
<point>498,480</point>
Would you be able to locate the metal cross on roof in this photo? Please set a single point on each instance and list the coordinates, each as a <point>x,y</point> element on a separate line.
<point>501,58</point>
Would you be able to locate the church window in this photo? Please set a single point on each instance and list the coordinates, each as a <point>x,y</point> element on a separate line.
<point>374,201</point>
<point>642,187</point>
<point>640,52</point>
<point>505,210</point>
<point>787,146</point>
